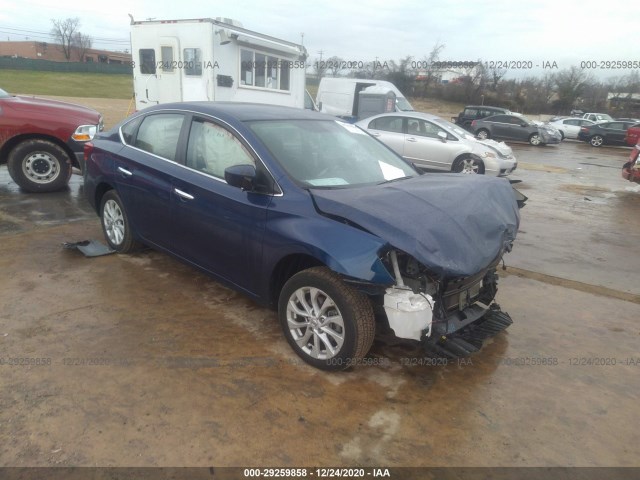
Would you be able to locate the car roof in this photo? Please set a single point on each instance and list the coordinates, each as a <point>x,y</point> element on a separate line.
<point>244,111</point>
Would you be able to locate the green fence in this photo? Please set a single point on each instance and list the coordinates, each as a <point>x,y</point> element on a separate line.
<point>49,66</point>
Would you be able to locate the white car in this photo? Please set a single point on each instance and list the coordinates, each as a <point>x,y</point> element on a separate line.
<point>570,126</point>
<point>432,143</point>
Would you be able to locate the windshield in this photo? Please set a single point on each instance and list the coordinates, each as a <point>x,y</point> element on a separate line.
<point>3,94</point>
<point>604,117</point>
<point>452,127</point>
<point>329,154</point>
<point>403,104</point>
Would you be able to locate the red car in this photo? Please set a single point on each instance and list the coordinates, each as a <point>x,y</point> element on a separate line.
<point>632,136</point>
<point>631,169</point>
<point>41,140</point>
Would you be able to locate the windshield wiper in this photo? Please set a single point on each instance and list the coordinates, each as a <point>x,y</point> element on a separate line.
<point>395,179</point>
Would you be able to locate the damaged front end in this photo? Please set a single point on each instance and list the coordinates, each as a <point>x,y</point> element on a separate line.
<point>450,317</point>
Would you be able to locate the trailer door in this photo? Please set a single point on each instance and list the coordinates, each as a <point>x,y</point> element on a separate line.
<point>169,76</point>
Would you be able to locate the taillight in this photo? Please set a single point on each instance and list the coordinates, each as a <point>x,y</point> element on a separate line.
<point>473,124</point>
<point>584,129</point>
<point>88,150</point>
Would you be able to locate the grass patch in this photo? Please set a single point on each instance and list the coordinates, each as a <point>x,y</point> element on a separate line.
<point>66,84</point>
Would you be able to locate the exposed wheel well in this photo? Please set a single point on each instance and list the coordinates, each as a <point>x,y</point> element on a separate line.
<point>12,142</point>
<point>100,191</point>
<point>285,269</point>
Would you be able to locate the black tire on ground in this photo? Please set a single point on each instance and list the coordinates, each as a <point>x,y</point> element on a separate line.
<point>39,166</point>
<point>115,224</point>
<point>482,134</point>
<point>561,135</point>
<point>354,319</point>
<point>471,165</point>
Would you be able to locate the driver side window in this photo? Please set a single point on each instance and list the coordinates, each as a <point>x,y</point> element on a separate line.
<point>212,148</point>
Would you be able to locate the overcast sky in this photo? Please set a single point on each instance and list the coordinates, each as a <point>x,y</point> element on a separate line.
<point>562,31</point>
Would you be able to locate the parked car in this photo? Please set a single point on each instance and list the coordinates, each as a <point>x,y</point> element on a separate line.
<point>313,216</point>
<point>430,142</point>
<point>606,133</point>
<point>597,117</point>
<point>576,113</point>
<point>626,119</point>
<point>476,112</point>
<point>631,169</point>
<point>632,136</point>
<point>515,127</point>
<point>569,127</point>
<point>42,140</point>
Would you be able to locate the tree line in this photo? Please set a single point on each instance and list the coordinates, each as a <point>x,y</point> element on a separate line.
<point>553,93</point>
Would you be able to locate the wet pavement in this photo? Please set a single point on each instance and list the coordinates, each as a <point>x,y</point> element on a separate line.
<point>139,360</point>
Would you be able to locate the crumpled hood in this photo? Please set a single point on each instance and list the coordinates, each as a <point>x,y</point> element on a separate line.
<point>455,225</point>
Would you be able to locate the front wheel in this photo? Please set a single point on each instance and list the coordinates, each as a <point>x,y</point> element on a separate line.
<point>115,223</point>
<point>329,324</point>
<point>482,134</point>
<point>468,165</point>
<point>535,140</point>
<point>596,141</point>
<point>39,166</point>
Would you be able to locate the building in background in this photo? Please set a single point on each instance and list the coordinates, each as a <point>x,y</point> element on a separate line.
<point>53,52</point>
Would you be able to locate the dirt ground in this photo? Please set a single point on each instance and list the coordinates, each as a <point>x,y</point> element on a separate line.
<point>139,360</point>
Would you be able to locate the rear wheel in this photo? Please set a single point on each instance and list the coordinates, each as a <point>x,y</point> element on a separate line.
<point>483,134</point>
<point>469,165</point>
<point>39,166</point>
<point>596,141</point>
<point>329,324</point>
<point>115,224</point>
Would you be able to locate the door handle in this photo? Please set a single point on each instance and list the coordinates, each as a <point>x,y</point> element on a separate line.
<point>124,172</point>
<point>183,195</point>
<point>411,139</point>
<point>375,134</point>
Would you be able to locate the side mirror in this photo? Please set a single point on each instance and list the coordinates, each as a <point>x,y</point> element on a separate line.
<point>442,136</point>
<point>240,176</point>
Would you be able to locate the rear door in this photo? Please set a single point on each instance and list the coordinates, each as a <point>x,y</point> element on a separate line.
<point>169,76</point>
<point>390,131</point>
<point>217,227</point>
<point>144,170</point>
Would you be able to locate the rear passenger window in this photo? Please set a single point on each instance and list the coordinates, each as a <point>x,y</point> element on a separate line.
<point>212,149</point>
<point>158,134</point>
<point>129,130</point>
<point>470,112</point>
<point>387,124</point>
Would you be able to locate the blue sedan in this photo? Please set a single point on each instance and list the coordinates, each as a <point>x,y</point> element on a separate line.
<point>312,216</point>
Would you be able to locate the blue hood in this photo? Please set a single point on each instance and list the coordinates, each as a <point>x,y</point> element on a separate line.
<point>455,225</point>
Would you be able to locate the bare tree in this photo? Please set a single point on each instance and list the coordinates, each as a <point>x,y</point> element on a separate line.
<point>81,44</point>
<point>570,85</point>
<point>63,32</point>
<point>334,65</point>
<point>494,76</point>
<point>320,67</point>
<point>428,61</point>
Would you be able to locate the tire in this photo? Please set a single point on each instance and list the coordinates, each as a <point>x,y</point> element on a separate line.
<point>469,165</point>
<point>561,135</point>
<point>39,166</point>
<point>596,141</point>
<point>347,323</point>
<point>534,139</point>
<point>483,134</point>
<point>115,224</point>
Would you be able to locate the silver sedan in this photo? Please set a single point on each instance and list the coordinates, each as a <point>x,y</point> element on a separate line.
<point>569,127</point>
<point>432,143</point>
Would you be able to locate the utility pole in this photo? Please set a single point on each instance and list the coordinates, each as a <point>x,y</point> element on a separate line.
<point>321,52</point>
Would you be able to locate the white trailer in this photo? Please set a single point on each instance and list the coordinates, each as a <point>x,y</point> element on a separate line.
<point>216,60</point>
